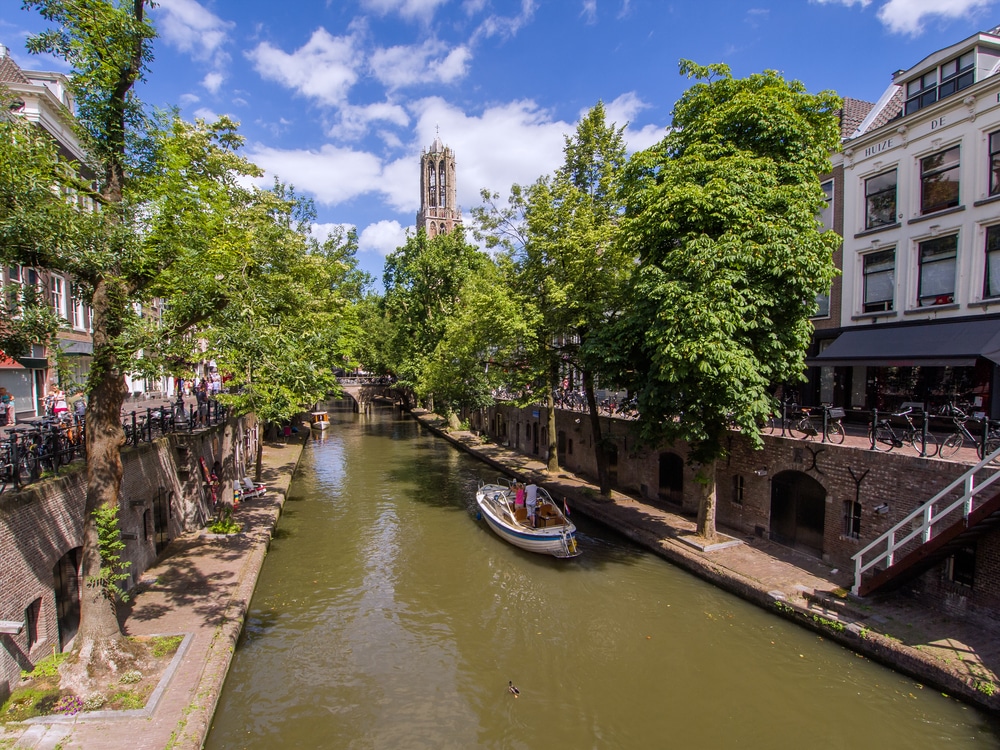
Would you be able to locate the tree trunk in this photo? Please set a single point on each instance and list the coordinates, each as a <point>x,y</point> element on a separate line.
<point>603,475</point>
<point>104,436</point>
<point>705,481</point>
<point>552,463</point>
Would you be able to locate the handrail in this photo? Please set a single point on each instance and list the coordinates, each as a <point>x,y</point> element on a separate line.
<point>928,518</point>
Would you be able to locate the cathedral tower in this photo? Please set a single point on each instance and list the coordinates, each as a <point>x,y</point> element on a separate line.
<point>439,212</point>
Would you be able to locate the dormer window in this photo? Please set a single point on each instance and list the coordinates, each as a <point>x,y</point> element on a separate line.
<point>954,75</point>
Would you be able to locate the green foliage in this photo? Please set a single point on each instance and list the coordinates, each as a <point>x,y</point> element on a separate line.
<point>722,215</point>
<point>165,645</point>
<point>47,668</point>
<point>113,568</point>
<point>26,703</point>
<point>224,523</point>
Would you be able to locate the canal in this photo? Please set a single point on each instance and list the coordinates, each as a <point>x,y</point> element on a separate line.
<point>388,616</point>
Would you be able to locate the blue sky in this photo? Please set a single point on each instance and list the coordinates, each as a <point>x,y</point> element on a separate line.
<point>339,98</point>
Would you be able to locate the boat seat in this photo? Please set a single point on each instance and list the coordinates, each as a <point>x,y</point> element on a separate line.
<point>520,514</point>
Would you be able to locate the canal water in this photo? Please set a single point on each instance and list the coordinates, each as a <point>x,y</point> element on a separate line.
<point>388,616</point>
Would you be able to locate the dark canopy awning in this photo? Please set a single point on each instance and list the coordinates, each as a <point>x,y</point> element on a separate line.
<point>932,345</point>
<point>78,348</point>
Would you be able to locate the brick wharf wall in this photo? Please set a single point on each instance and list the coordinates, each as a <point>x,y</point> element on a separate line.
<point>900,481</point>
<point>44,522</point>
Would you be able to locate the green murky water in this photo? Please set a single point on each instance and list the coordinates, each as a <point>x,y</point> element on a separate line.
<point>387,616</point>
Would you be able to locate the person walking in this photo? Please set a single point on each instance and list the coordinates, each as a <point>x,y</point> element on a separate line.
<point>532,503</point>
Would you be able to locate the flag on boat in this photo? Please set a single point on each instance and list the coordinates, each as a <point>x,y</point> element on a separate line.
<point>565,507</point>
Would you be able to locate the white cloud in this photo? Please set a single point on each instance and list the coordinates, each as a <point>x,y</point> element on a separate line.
<point>206,114</point>
<point>401,66</point>
<point>908,16</point>
<point>192,28</point>
<point>354,121</point>
<point>213,81</point>
<point>422,9</point>
<point>324,68</point>
<point>589,11</point>
<point>505,26</point>
<point>189,99</point>
<point>382,237</point>
<point>333,175</point>
<point>622,111</point>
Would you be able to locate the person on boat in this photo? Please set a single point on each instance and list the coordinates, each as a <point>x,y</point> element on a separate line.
<point>532,502</point>
<point>518,495</point>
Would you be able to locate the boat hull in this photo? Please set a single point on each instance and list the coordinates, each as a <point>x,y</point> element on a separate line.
<point>558,540</point>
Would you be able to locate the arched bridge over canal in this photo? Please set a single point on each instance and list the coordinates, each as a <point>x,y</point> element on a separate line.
<point>365,389</point>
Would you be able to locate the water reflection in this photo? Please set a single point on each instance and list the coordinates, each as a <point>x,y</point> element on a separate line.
<point>387,616</point>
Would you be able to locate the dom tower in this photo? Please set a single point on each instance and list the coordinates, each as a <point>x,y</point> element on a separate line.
<point>439,212</point>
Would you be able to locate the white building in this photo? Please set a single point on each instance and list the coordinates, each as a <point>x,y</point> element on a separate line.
<point>919,319</point>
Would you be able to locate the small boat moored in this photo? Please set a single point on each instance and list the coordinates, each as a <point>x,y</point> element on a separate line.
<point>320,420</point>
<point>552,533</point>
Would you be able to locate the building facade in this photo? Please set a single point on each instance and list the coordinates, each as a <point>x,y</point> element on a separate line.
<point>919,314</point>
<point>439,212</point>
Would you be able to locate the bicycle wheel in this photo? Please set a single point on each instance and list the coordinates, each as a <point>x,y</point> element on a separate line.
<point>916,440</point>
<point>803,429</point>
<point>884,439</point>
<point>835,432</point>
<point>992,445</point>
<point>951,445</point>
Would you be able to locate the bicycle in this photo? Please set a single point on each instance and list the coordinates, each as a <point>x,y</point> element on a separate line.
<point>962,435</point>
<point>833,430</point>
<point>884,437</point>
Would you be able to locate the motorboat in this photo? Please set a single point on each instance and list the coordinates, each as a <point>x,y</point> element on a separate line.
<point>320,420</point>
<point>552,533</point>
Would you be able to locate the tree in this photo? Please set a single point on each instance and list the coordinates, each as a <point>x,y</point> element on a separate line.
<point>722,214</point>
<point>423,282</point>
<point>567,267</point>
<point>175,222</point>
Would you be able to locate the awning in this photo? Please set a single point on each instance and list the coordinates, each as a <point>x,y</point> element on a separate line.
<point>76,348</point>
<point>930,345</point>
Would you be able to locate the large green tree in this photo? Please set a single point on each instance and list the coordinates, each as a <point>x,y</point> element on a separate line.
<point>177,222</point>
<point>423,282</point>
<point>723,216</point>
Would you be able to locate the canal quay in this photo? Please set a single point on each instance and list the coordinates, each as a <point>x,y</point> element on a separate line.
<point>388,616</point>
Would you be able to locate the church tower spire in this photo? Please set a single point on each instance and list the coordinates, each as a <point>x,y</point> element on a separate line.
<point>439,212</point>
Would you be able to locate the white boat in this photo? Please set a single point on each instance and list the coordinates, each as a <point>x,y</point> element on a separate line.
<point>553,534</point>
<point>320,420</point>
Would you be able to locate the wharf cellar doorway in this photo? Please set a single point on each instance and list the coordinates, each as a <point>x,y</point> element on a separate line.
<point>798,512</point>
<point>671,480</point>
<point>66,575</point>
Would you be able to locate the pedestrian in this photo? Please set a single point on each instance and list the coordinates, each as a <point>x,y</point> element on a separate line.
<point>59,406</point>
<point>11,411</point>
<point>4,400</point>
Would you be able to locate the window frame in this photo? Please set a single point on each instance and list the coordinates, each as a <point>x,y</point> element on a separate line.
<point>942,257</point>
<point>930,174</point>
<point>986,261</point>
<point>870,197</point>
<point>941,82</point>
<point>888,304</point>
<point>58,296</point>
<point>852,519</point>
<point>993,146</point>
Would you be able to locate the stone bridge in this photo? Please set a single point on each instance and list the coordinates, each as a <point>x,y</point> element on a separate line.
<point>366,388</point>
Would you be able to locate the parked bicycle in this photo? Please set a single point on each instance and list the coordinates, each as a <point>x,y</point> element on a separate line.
<point>832,429</point>
<point>985,445</point>
<point>885,437</point>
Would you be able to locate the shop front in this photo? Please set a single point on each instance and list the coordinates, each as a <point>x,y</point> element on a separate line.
<point>927,364</point>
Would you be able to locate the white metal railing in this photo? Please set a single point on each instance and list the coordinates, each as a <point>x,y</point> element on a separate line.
<point>921,522</point>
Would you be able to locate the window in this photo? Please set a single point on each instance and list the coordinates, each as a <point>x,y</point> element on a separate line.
<point>879,280</point>
<point>937,271</point>
<point>826,219</point>
<point>995,163</point>
<point>852,519</point>
<point>78,317</point>
<point>880,200</point>
<point>991,282</point>
<point>961,566</point>
<point>57,287</point>
<point>956,74</point>
<point>737,497</point>
<point>31,622</point>
<point>939,181</point>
